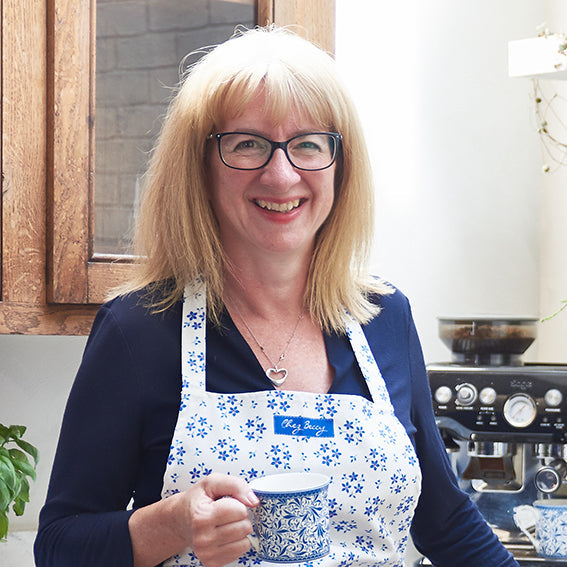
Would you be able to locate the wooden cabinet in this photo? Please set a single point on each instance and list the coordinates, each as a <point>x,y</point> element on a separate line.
<point>51,280</point>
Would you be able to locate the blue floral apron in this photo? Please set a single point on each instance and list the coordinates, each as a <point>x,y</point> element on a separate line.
<point>359,443</point>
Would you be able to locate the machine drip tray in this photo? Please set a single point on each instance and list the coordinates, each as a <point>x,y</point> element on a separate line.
<point>525,555</point>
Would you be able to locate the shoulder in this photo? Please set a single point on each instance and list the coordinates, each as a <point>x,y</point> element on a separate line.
<point>133,312</point>
<point>128,323</point>
<point>394,306</point>
<point>129,343</point>
<point>391,329</point>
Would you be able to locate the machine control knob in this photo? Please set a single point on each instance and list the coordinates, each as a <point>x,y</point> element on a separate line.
<point>548,479</point>
<point>443,395</point>
<point>466,394</point>
<point>553,397</point>
<point>487,396</point>
<point>520,410</point>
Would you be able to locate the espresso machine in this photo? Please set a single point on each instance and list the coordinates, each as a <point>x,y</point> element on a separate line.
<point>504,422</point>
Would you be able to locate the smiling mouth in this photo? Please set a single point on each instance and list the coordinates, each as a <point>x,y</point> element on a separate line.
<point>278,207</point>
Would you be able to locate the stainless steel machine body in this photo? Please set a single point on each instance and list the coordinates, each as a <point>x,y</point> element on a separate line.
<point>504,424</point>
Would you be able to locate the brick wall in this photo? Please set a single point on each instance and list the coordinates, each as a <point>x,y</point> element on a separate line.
<point>140,44</point>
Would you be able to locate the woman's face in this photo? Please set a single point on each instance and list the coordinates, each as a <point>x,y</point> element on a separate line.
<point>275,209</point>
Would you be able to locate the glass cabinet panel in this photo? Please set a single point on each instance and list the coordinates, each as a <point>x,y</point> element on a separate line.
<point>139,47</point>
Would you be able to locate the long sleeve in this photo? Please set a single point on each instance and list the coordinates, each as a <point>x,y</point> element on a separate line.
<point>105,452</point>
<point>447,527</point>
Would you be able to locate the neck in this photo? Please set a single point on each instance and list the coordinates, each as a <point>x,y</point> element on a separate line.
<point>267,288</point>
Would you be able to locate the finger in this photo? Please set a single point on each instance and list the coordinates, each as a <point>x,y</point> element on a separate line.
<point>235,548</point>
<point>219,485</point>
<point>226,544</point>
<point>222,537</point>
<point>217,556</point>
<point>233,532</point>
<point>206,516</point>
<point>228,510</point>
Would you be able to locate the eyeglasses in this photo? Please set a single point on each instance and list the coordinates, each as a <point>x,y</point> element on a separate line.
<point>310,152</point>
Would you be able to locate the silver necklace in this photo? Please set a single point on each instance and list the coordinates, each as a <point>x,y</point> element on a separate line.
<point>275,374</point>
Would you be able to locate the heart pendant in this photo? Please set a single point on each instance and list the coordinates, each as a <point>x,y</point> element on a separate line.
<point>271,373</point>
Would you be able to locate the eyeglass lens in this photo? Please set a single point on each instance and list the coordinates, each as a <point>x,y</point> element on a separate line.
<point>311,151</point>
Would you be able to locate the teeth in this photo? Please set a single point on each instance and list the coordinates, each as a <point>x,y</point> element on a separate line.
<point>279,207</point>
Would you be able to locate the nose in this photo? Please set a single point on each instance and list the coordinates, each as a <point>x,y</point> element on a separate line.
<point>279,172</point>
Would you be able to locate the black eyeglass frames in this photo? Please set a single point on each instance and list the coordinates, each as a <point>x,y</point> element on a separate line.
<point>311,151</point>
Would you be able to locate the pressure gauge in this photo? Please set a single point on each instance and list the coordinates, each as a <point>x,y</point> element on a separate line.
<point>520,410</point>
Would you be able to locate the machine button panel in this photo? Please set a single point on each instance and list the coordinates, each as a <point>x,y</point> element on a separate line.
<point>526,403</point>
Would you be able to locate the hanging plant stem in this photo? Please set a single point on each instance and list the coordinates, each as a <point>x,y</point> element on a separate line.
<point>563,307</point>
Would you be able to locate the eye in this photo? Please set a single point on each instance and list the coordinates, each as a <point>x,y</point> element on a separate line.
<point>310,144</point>
<point>245,144</point>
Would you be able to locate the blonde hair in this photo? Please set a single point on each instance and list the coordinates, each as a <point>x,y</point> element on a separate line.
<point>177,233</point>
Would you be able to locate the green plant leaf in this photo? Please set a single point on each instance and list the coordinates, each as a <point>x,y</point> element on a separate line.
<point>16,431</point>
<point>3,525</point>
<point>5,497</point>
<point>24,490</point>
<point>8,474</point>
<point>29,449</point>
<point>19,506</point>
<point>18,486</point>
<point>21,463</point>
<point>17,455</point>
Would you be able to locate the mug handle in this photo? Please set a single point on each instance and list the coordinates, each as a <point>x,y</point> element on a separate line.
<point>253,539</point>
<point>525,518</point>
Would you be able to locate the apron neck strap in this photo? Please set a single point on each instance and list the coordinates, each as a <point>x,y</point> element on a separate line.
<point>193,335</point>
<point>193,345</point>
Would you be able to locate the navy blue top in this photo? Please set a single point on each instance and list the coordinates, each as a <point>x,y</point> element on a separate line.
<point>123,407</point>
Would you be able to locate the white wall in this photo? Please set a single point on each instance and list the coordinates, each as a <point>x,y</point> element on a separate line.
<point>36,374</point>
<point>456,156</point>
<point>553,273</point>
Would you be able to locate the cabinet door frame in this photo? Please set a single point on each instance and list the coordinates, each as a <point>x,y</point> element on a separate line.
<point>52,281</point>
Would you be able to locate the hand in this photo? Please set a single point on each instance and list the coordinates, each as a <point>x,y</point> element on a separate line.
<point>217,518</point>
<point>211,518</point>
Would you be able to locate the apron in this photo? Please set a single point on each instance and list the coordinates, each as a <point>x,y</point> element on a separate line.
<point>360,444</point>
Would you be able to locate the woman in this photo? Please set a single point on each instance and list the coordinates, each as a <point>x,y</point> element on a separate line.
<point>249,308</point>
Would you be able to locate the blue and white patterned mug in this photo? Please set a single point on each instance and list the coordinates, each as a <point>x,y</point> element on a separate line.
<point>550,520</point>
<point>291,523</point>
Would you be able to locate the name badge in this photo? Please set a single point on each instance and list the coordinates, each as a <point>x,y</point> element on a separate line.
<point>303,426</point>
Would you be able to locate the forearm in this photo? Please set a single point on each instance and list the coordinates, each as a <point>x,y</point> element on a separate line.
<point>88,540</point>
<point>155,532</point>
